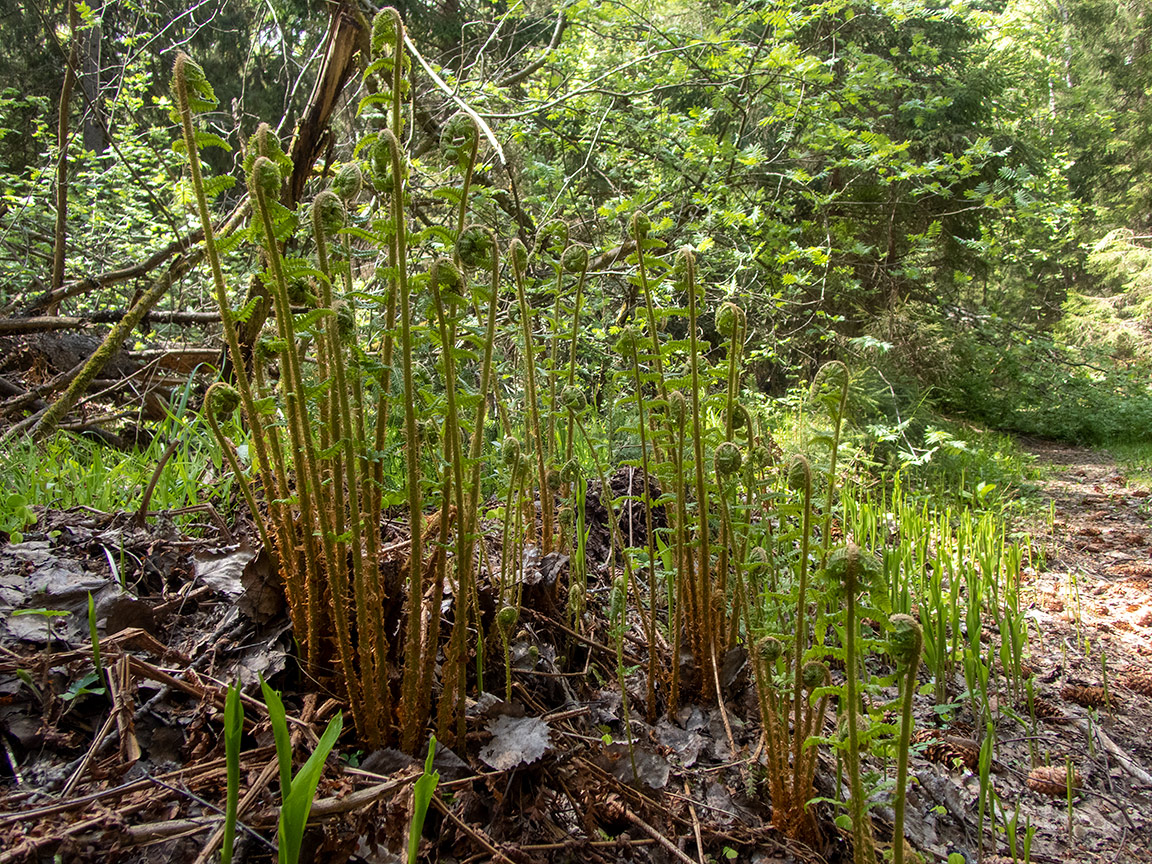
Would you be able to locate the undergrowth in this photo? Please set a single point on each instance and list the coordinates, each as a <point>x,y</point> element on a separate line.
<point>459,354</point>
<point>66,471</point>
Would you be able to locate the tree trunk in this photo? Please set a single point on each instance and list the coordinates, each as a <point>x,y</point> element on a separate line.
<point>93,128</point>
<point>60,240</point>
<point>309,139</point>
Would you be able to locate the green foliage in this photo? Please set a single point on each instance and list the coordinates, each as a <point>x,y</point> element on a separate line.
<point>422,793</point>
<point>296,793</point>
<point>64,472</point>
<point>1041,386</point>
<point>15,516</point>
<point>233,729</point>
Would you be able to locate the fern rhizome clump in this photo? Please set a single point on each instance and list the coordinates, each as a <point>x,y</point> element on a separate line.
<point>436,371</point>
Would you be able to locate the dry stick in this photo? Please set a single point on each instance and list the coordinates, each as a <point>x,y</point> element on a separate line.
<point>1126,761</point>
<point>185,775</point>
<point>123,696</point>
<point>43,323</point>
<point>23,851</point>
<point>474,833</point>
<point>660,838</point>
<point>101,356</point>
<point>587,844</point>
<point>695,822</point>
<point>723,710</point>
<point>86,760</point>
<point>255,790</point>
<point>360,798</point>
<point>169,829</point>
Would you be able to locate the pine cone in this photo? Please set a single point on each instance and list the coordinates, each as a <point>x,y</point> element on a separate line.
<point>963,728</point>
<point>947,749</point>
<point>1052,780</point>
<point>1087,697</point>
<point>1044,709</point>
<point>999,859</point>
<point>1140,680</point>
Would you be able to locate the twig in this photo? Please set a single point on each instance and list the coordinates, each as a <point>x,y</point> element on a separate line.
<point>359,798</point>
<point>86,759</point>
<point>170,829</point>
<point>182,774</point>
<point>1126,761</point>
<point>439,82</point>
<point>723,710</point>
<point>658,837</point>
<point>695,823</point>
<point>25,849</point>
<point>474,833</point>
<point>580,844</point>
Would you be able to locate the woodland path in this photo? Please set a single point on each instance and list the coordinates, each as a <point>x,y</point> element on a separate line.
<point>1092,603</point>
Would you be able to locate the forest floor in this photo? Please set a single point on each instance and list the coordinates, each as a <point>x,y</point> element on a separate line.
<point>133,774</point>
<point>1091,607</point>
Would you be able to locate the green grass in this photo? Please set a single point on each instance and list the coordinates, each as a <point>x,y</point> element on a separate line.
<point>1135,459</point>
<point>66,471</point>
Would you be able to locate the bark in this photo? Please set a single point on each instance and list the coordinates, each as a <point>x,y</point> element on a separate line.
<point>309,140</point>
<point>95,140</point>
<point>102,355</point>
<point>60,239</point>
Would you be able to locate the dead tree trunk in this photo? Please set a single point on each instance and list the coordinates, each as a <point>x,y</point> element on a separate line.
<point>310,138</point>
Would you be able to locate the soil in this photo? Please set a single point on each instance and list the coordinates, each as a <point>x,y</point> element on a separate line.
<point>134,773</point>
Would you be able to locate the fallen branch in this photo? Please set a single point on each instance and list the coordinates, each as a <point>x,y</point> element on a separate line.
<point>44,323</point>
<point>672,848</point>
<point>1126,762</point>
<point>41,323</point>
<point>187,319</point>
<point>101,356</point>
<point>122,274</point>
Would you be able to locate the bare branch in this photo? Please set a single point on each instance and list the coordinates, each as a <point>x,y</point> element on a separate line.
<point>534,66</point>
